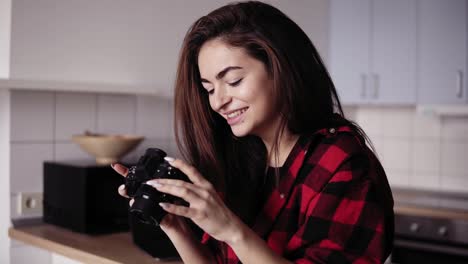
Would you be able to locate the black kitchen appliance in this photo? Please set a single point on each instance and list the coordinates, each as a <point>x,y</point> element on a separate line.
<point>83,197</point>
<point>430,227</point>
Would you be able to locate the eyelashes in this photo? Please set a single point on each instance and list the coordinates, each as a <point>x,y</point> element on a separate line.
<point>233,84</point>
<point>236,83</point>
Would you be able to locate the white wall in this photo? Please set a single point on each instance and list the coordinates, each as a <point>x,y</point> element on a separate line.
<point>138,39</point>
<point>5,22</point>
<point>121,41</point>
<point>5,29</point>
<point>99,41</point>
<point>418,151</point>
<point>4,173</point>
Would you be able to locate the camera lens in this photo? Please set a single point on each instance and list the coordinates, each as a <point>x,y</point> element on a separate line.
<point>146,206</point>
<point>155,152</point>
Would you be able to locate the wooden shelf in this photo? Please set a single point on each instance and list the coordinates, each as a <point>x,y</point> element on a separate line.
<point>106,249</point>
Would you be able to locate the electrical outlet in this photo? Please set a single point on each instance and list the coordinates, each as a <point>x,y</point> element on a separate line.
<point>30,203</point>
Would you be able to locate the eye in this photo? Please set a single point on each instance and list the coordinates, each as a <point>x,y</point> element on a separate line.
<point>208,89</point>
<point>236,83</point>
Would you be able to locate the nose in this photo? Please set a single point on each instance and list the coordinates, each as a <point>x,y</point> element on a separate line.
<point>220,99</point>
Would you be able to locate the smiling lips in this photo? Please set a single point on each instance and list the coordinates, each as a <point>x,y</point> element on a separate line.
<point>236,116</point>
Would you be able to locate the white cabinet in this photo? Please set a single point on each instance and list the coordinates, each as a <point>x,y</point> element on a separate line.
<point>372,51</point>
<point>442,52</point>
<point>349,48</point>
<point>393,51</point>
<point>59,259</point>
<point>23,254</point>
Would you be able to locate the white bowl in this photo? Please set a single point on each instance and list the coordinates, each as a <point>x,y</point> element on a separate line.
<point>107,149</point>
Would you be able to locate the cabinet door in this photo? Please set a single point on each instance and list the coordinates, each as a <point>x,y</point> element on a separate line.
<point>349,48</point>
<point>442,37</point>
<point>393,75</point>
<point>21,253</point>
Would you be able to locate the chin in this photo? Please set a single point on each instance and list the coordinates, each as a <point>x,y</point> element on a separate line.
<point>240,130</point>
<point>239,133</point>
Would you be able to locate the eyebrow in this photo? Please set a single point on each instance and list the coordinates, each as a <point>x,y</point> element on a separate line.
<point>222,73</point>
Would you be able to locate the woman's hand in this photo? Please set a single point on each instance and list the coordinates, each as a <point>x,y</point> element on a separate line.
<point>169,222</point>
<point>206,208</point>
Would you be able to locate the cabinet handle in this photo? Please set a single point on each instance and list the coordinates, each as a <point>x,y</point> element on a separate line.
<point>459,84</point>
<point>363,85</point>
<point>376,84</point>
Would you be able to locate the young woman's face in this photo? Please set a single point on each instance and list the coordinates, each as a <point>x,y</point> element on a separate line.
<point>238,88</point>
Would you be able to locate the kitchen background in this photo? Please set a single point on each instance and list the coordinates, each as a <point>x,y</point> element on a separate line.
<point>107,66</point>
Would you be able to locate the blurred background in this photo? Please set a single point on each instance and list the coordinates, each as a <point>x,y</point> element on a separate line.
<point>108,66</point>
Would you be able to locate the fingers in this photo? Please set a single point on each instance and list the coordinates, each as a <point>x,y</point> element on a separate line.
<point>179,183</point>
<point>122,170</point>
<point>188,170</point>
<point>122,191</point>
<point>179,210</point>
<point>188,194</point>
<point>179,188</point>
<point>119,168</point>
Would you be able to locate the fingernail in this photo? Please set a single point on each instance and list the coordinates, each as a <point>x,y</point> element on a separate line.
<point>154,183</point>
<point>169,159</point>
<point>112,165</point>
<point>164,205</point>
<point>121,187</point>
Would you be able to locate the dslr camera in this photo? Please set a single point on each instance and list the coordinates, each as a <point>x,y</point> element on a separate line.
<point>146,198</point>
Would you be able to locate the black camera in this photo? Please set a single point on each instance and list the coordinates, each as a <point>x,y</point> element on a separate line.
<point>146,198</point>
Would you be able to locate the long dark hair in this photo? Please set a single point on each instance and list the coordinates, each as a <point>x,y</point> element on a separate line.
<point>303,92</point>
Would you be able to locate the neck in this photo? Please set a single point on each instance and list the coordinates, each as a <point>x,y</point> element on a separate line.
<point>286,142</point>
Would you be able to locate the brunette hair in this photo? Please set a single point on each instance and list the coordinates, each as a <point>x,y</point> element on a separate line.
<point>303,92</point>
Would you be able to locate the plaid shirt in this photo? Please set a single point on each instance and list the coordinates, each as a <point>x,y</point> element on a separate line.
<point>333,205</point>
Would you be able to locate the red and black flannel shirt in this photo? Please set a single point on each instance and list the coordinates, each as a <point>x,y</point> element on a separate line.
<point>333,205</point>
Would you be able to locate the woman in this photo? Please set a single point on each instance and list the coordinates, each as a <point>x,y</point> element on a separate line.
<point>278,174</point>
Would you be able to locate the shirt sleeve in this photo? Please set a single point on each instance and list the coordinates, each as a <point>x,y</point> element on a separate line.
<point>346,221</point>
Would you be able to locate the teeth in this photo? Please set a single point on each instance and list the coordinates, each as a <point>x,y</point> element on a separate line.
<point>236,113</point>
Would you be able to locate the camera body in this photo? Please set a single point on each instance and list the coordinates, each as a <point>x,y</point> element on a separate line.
<point>146,198</point>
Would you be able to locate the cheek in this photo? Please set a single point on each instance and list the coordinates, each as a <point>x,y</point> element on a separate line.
<point>265,103</point>
<point>248,93</point>
<point>265,109</point>
<point>210,100</point>
<point>261,95</point>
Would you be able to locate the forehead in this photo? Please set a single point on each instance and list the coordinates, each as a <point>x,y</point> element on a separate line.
<point>215,55</point>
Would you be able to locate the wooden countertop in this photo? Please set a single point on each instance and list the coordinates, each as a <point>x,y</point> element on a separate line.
<point>108,249</point>
<point>427,203</point>
<point>430,212</point>
<point>119,248</point>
